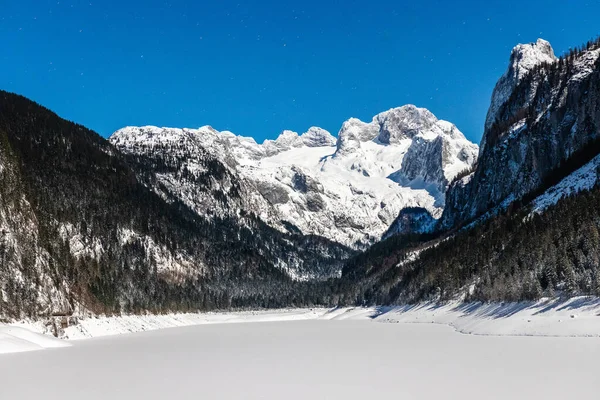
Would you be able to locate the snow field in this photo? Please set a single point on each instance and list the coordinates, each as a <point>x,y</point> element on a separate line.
<point>307,359</point>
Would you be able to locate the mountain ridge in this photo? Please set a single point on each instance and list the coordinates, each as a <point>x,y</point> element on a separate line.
<point>348,189</point>
<point>84,229</point>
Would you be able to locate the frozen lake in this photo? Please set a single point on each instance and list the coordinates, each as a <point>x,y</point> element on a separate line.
<point>311,359</point>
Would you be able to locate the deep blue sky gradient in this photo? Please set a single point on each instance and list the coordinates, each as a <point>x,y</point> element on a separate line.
<point>258,67</point>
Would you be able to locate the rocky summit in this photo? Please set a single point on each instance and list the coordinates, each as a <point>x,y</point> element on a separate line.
<point>348,189</point>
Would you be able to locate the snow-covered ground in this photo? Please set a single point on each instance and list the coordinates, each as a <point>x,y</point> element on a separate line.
<point>576,317</point>
<point>108,326</point>
<point>14,339</point>
<point>585,178</point>
<point>307,359</point>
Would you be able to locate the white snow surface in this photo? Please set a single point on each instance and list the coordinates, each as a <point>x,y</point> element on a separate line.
<point>585,178</point>
<point>546,317</point>
<point>585,65</point>
<point>575,317</point>
<point>14,339</point>
<point>348,189</point>
<point>116,325</point>
<point>350,357</point>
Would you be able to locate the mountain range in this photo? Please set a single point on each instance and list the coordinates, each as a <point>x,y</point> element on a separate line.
<point>402,208</point>
<point>348,190</point>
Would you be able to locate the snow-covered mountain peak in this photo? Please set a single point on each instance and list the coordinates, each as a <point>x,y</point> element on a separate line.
<point>285,141</point>
<point>349,193</point>
<point>400,127</point>
<point>288,138</point>
<point>405,122</point>
<point>347,140</point>
<point>318,137</point>
<point>208,128</point>
<point>523,59</point>
<point>395,126</point>
<point>314,137</point>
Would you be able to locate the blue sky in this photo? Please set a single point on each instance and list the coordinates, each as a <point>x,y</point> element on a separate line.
<point>258,67</point>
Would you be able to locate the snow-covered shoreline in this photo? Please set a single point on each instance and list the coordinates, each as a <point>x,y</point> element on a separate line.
<point>575,317</point>
<point>16,339</point>
<point>98,326</point>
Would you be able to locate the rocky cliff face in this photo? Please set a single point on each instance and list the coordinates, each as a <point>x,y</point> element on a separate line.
<point>544,110</point>
<point>523,59</point>
<point>348,190</point>
<point>411,220</point>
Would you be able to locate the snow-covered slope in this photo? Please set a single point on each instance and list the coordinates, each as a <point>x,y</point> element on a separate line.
<point>14,339</point>
<point>585,178</point>
<point>348,189</point>
<point>574,317</point>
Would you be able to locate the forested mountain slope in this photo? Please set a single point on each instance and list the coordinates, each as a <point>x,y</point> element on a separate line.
<point>81,229</point>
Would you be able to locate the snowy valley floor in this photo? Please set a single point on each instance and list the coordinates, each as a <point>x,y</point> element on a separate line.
<point>575,317</point>
<point>416,352</point>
